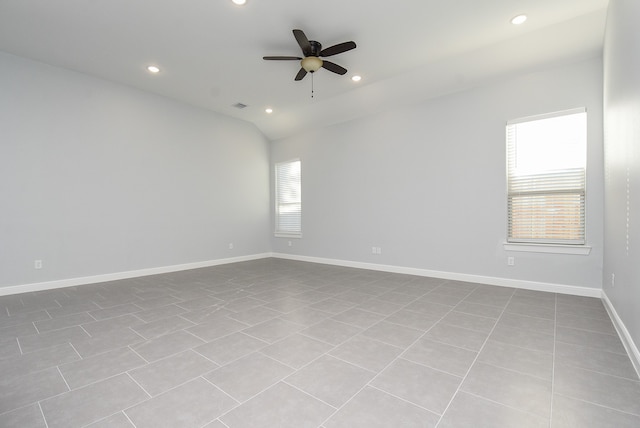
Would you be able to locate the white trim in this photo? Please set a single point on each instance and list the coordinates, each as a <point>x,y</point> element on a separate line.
<point>581,250</point>
<point>287,235</point>
<point>625,336</point>
<point>71,282</point>
<point>547,115</point>
<point>489,280</point>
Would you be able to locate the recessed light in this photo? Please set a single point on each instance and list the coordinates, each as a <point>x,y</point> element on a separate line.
<point>153,69</point>
<point>356,78</point>
<point>239,2</point>
<point>268,110</point>
<point>517,20</point>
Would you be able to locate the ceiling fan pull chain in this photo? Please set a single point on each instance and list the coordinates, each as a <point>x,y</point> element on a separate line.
<point>311,85</point>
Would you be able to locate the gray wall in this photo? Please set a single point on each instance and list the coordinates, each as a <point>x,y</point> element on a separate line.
<point>622,155</point>
<point>99,178</point>
<point>426,183</point>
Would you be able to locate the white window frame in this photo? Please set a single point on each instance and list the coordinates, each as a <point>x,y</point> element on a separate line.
<point>516,187</point>
<point>282,203</point>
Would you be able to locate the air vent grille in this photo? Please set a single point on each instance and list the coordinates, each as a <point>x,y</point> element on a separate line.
<point>240,106</point>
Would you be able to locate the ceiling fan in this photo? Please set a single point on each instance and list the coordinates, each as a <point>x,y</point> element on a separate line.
<point>312,52</point>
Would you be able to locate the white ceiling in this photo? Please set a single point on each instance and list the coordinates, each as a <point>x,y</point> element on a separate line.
<point>210,51</point>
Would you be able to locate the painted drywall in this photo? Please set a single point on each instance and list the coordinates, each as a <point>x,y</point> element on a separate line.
<point>622,163</point>
<point>98,178</point>
<point>426,183</point>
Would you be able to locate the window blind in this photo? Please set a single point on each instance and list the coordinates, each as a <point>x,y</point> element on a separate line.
<point>546,169</point>
<point>288,198</point>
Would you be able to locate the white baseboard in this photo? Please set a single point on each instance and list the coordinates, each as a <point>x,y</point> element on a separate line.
<point>71,282</point>
<point>625,337</point>
<point>502,282</point>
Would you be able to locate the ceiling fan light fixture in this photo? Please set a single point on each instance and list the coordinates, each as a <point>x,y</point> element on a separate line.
<point>356,78</point>
<point>311,64</point>
<point>517,20</point>
<point>239,2</point>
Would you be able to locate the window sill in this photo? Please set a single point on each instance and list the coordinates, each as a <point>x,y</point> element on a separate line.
<point>287,235</point>
<point>581,250</point>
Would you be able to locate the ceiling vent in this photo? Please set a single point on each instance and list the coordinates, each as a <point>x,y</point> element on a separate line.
<point>240,106</point>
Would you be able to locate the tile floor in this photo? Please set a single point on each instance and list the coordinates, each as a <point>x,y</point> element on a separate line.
<point>275,343</point>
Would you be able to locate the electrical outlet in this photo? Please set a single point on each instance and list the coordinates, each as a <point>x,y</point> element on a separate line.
<point>289,243</point>
<point>376,250</point>
<point>231,245</point>
<point>37,264</point>
<point>511,261</point>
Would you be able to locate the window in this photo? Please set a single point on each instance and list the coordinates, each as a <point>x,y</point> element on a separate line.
<point>546,162</point>
<point>288,199</point>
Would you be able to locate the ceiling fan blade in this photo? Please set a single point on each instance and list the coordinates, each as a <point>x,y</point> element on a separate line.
<point>302,41</point>
<point>339,48</point>
<point>301,74</point>
<point>334,67</point>
<point>281,58</point>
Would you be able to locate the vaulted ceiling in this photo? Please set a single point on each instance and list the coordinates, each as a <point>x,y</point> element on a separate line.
<point>210,51</point>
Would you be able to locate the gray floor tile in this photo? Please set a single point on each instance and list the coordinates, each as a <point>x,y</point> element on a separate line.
<point>381,307</point>
<point>443,298</point>
<point>116,323</point>
<point>155,314</point>
<point>395,297</point>
<point>413,319</point>
<point>367,353</point>
<point>119,420</point>
<point>522,322</point>
<point>243,304</point>
<point>205,315</point>
<point>305,316</point>
<point>200,302</point>
<point>25,417</point>
<point>36,361</point>
<point>99,367</point>
<point>429,308</point>
<point>470,322</point>
<point>115,311</point>
<point>296,350</point>
<point>513,389</point>
<point>77,307</point>
<point>161,327</point>
<point>333,305</point>
<point>193,404</point>
<point>534,363</point>
<point>255,315</point>
<point>358,317</point>
<point>331,380</point>
<point>166,345</point>
<point>52,338</point>
<point>570,413</point>
<point>468,410</point>
<point>523,338</point>
<point>230,348</point>
<point>544,312</point>
<point>583,323</point>
<point>273,330</point>
<point>19,391</point>
<point>609,391</point>
<point>582,311</point>
<point>246,377</point>
<point>499,300</point>
<point>423,386</point>
<point>332,332</point>
<point>92,403</point>
<point>13,320</point>
<point>440,356</point>
<point>172,371</point>
<point>393,334</point>
<point>111,340</point>
<point>63,322</point>
<point>372,408</point>
<point>17,330</point>
<point>596,360</point>
<point>216,328</point>
<point>157,302</point>
<point>457,336</point>
<point>479,309</point>
<point>281,406</point>
<point>589,339</point>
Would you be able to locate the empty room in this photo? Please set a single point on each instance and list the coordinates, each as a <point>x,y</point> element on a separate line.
<point>296,214</point>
